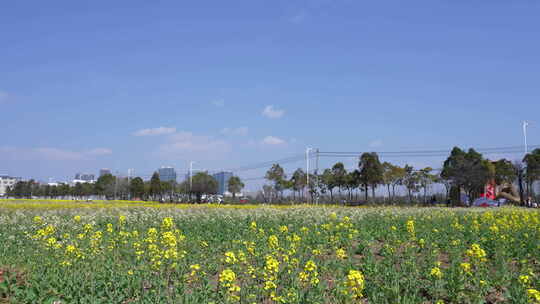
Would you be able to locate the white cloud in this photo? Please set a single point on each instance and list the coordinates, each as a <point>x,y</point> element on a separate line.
<point>155,131</point>
<point>51,154</point>
<point>376,143</point>
<point>273,141</point>
<point>99,151</point>
<point>299,17</point>
<point>220,103</point>
<point>241,131</point>
<point>182,144</point>
<point>271,112</point>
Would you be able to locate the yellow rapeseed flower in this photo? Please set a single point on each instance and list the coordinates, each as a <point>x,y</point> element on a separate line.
<point>355,283</point>
<point>534,295</point>
<point>230,257</point>
<point>341,254</point>
<point>436,272</point>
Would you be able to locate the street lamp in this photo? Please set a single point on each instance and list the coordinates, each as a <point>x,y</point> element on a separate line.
<point>525,125</point>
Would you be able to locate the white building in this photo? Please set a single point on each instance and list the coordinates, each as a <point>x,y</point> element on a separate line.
<point>5,182</point>
<point>81,181</point>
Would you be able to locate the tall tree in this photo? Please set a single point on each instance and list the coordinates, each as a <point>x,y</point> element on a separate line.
<point>520,173</point>
<point>136,187</point>
<point>327,179</point>
<point>505,172</point>
<point>388,177</point>
<point>371,171</point>
<point>468,171</point>
<point>276,174</point>
<point>155,186</point>
<point>235,185</point>
<point>411,181</point>
<point>167,188</point>
<point>532,170</point>
<point>338,175</point>
<point>203,183</point>
<point>105,185</point>
<point>352,181</point>
<point>298,181</point>
<point>454,169</point>
<point>398,176</point>
<point>425,179</point>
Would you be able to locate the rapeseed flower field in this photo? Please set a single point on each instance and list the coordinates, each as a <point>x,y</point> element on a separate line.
<point>128,252</point>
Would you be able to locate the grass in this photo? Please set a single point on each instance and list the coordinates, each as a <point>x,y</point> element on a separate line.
<point>124,252</point>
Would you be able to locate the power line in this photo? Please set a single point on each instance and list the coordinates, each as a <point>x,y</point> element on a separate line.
<point>291,159</point>
<point>428,153</point>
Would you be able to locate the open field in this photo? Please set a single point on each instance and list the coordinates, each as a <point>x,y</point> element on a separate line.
<point>65,252</point>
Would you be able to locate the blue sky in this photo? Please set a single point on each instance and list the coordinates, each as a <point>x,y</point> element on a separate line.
<point>140,84</point>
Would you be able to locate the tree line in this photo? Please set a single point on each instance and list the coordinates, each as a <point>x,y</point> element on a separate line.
<point>463,172</point>
<point>122,188</point>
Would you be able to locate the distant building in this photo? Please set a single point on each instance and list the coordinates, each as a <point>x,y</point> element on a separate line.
<point>223,182</point>
<point>82,178</point>
<point>167,174</point>
<point>104,171</point>
<point>5,182</point>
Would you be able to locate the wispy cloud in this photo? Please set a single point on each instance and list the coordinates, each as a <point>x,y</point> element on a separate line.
<point>51,153</point>
<point>99,151</point>
<point>376,143</point>
<point>220,103</point>
<point>273,141</point>
<point>240,131</point>
<point>271,112</point>
<point>155,131</point>
<point>186,144</point>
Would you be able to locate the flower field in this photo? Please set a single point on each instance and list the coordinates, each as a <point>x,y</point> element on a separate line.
<point>65,252</point>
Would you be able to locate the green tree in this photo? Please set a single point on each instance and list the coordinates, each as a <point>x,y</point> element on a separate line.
<point>411,181</point>
<point>387,177</point>
<point>235,185</point>
<point>398,176</point>
<point>276,174</point>
<point>468,171</point>
<point>454,170</point>
<point>298,181</point>
<point>105,185</point>
<point>532,169</point>
<point>505,172</point>
<point>327,179</point>
<point>78,190</point>
<point>480,172</point>
<point>425,179</point>
<point>167,188</point>
<point>155,186</point>
<point>136,187</point>
<point>520,173</point>
<point>87,190</point>
<point>203,183</point>
<point>338,176</point>
<point>371,172</point>
<point>352,181</point>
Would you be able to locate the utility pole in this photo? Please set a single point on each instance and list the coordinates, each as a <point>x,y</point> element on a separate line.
<point>115,184</point>
<point>317,176</point>
<point>191,175</point>
<point>307,170</point>
<point>130,172</point>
